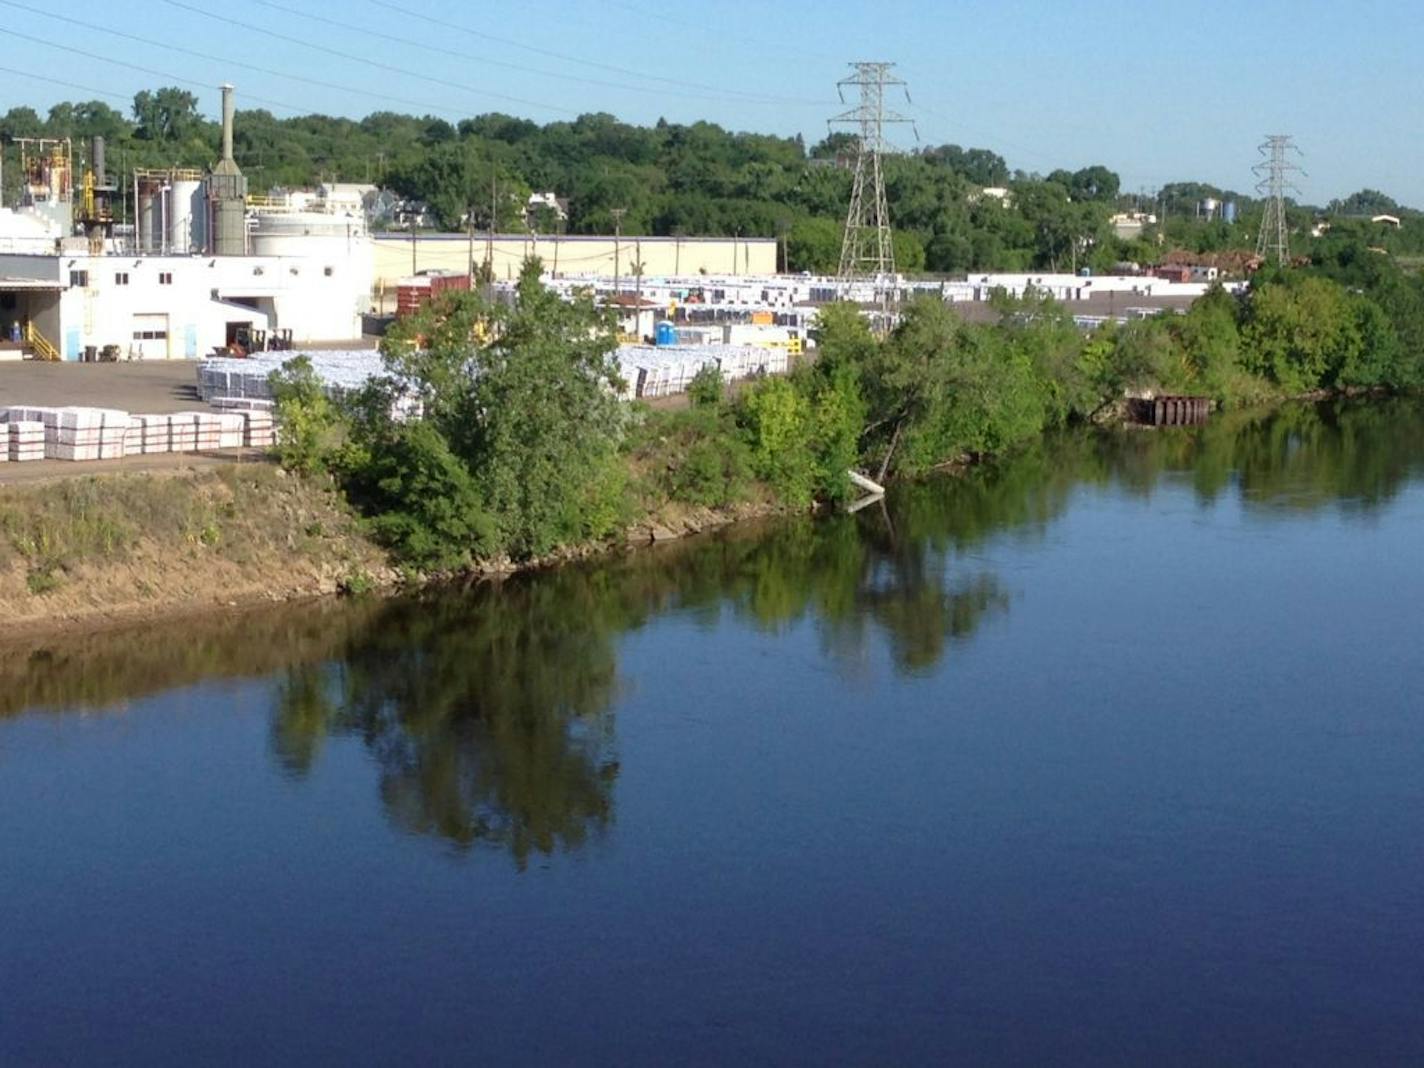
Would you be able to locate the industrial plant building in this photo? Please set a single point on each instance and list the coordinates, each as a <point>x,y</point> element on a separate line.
<point>198,271</point>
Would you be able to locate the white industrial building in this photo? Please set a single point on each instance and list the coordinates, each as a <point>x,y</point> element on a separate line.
<point>201,268</point>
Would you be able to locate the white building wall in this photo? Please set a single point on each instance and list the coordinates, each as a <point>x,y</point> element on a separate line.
<point>318,297</point>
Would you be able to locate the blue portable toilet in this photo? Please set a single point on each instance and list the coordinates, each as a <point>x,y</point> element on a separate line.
<point>665,333</point>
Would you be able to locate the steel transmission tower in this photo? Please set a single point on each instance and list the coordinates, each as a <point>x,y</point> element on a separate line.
<point>867,249</point>
<point>1275,170</point>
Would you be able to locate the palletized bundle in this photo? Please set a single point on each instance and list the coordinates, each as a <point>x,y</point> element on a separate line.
<point>26,439</point>
<point>152,433</point>
<point>183,432</point>
<point>242,404</point>
<point>133,437</point>
<point>114,434</point>
<point>28,414</point>
<point>231,429</point>
<point>257,432</point>
<point>209,431</point>
<point>73,433</point>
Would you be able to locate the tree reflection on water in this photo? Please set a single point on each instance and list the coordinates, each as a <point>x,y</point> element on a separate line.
<point>488,711</point>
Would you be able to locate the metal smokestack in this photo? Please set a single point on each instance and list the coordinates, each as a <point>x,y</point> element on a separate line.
<point>96,161</point>
<point>227,193</point>
<point>227,112</point>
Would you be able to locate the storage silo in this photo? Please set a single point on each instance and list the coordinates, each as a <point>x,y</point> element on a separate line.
<point>187,213</point>
<point>1228,211</point>
<point>149,215</point>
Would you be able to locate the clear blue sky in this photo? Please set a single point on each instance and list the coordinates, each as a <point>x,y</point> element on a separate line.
<point>1158,92</point>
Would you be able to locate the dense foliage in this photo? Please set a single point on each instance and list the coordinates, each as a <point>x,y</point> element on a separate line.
<point>524,446</point>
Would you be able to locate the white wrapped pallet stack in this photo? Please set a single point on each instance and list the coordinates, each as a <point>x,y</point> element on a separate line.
<point>182,432</point>
<point>73,434</point>
<point>258,431</point>
<point>27,440</point>
<point>133,437</point>
<point>153,433</point>
<point>113,434</point>
<point>231,430</point>
<point>208,431</point>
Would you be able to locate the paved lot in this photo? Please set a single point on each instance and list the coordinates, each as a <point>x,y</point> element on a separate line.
<point>157,388</point>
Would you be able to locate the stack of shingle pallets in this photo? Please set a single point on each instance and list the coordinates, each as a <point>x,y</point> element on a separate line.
<point>26,440</point>
<point>182,432</point>
<point>151,433</point>
<point>256,414</point>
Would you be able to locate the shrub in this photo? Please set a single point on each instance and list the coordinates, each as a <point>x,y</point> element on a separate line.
<point>421,501</point>
<point>307,420</point>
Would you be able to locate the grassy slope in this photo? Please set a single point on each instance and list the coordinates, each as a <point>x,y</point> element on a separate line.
<point>134,545</point>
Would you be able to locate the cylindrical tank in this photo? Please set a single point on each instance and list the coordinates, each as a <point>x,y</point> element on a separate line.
<point>186,206</point>
<point>1209,206</point>
<point>1228,211</point>
<point>306,233</point>
<point>150,214</point>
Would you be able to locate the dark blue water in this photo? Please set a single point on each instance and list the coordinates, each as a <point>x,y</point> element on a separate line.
<point>1109,753</point>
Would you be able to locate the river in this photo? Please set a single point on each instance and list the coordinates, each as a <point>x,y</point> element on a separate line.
<point>1112,751</point>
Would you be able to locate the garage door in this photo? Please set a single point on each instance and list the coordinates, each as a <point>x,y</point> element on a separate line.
<point>150,337</point>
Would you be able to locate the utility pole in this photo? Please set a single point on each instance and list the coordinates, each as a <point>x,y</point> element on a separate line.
<point>617,214</point>
<point>494,215</point>
<point>867,250</point>
<point>1275,170</point>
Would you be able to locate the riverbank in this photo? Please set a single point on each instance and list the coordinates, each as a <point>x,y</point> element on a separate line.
<point>85,553</point>
<point>79,552</point>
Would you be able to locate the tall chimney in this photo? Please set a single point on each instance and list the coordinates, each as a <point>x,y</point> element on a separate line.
<point>227,193</point>
<point>96,161</point>
<point>227,121</point>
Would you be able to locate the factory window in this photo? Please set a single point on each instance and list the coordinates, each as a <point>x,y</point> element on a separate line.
<point>165,278</point>
<point>121,278</point>
<point>79,278</point>
<point>150,335</point>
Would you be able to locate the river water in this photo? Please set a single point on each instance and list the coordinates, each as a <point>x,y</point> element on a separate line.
<point>1109,752</point>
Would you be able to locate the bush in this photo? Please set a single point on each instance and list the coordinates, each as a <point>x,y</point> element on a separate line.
<point>307,420</point>
<point>421,501</point>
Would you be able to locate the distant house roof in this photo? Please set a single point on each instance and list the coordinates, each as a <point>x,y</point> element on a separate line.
<point>1388,220</point>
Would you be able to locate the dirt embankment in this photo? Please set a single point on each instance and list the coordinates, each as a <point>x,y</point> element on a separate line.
<point>81,551</point>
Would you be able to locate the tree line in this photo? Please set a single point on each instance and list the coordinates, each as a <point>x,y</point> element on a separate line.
<point>699,179</point>
<point>524,447</point>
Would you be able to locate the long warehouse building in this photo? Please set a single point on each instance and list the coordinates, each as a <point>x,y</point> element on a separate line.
<point>402,255</point>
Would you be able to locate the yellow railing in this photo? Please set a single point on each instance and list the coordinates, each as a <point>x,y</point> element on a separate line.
<point>40,344</point>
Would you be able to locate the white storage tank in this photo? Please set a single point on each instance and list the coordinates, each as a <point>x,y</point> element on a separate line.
<point>306,233</point>
<point>187,213</point>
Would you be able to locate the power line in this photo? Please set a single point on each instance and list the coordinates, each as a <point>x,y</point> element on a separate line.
<point>464,57</point>
<point>142,69</point>
<point>227,60</point>
<point>867,249</point>
<point>352,57</point>
<point>719,91</point>
<point>125,97</point>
